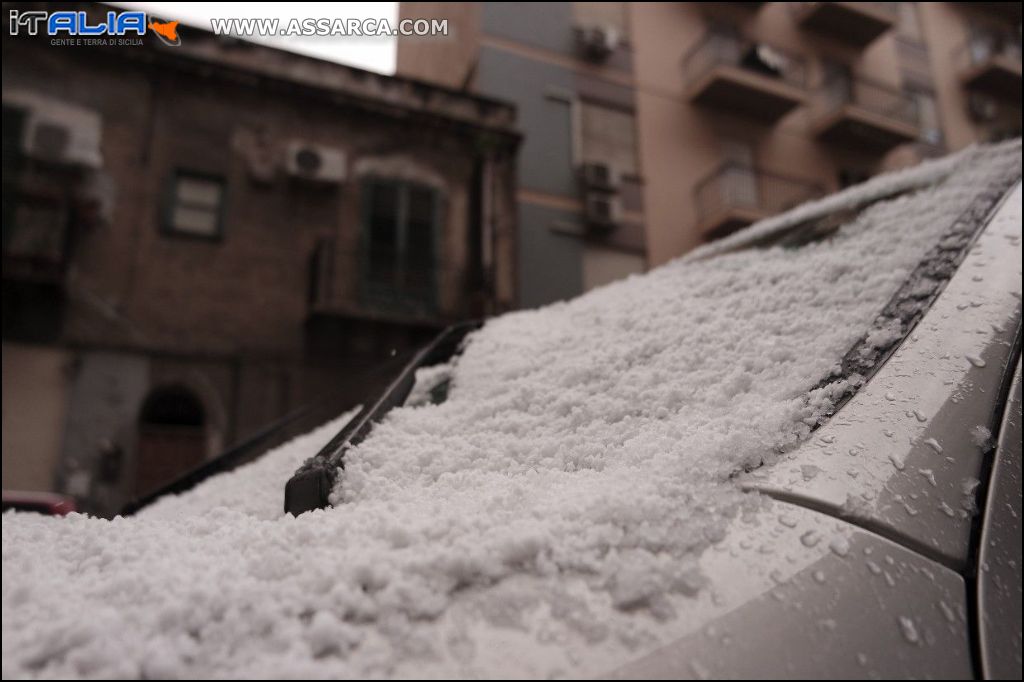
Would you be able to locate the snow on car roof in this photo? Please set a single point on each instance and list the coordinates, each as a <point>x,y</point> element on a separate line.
<point>580,465</point>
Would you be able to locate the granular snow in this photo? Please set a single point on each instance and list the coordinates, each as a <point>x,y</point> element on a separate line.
<point>253,489</point>
<point>566,488</point>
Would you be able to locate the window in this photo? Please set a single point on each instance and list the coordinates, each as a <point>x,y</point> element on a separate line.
<point>928,116</point>
<point>195,205</point>
<point>401,222</point>
<point>608,136</point>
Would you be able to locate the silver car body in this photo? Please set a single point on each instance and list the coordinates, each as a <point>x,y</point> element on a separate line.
<point>868,562</point>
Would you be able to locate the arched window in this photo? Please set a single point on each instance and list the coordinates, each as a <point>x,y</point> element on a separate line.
<point>172,436</point>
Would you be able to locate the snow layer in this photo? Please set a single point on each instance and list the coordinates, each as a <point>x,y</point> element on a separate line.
<point>581,464</point>
<point>255,489</point>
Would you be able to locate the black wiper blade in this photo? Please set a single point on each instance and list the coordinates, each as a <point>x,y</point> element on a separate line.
<point>310,486</point>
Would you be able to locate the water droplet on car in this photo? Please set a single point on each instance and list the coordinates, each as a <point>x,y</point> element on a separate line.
<point>810,538</point>
<point>975,360</point>
<point>840,546</point>
<point>909,630</point>
<point>934,445</point>
<point>787,521</point>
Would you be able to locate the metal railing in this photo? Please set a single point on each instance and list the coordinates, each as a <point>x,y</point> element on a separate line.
<point>984,47</point>
<point>37,238</point>
<point>877,98</point>
<point>723,47</point>
<point>354,280</point>
<point>738,186</point>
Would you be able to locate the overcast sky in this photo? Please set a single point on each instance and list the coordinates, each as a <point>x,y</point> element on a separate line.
<point>375,54</point>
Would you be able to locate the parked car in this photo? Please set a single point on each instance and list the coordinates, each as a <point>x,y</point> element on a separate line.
<point>793,453</point>
<point>41,502</point>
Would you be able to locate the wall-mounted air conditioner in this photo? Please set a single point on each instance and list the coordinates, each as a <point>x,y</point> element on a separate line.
<point>316,163</point>
<point>56,131</point>
<point>601,211</point>
<point>597,42</point>
<point>596,175</point>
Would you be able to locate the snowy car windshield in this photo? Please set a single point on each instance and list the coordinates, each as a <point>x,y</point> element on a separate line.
<point>578,468</point>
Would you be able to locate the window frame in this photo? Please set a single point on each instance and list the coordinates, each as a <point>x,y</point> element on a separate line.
<point>397,297</point>
<point>582,103</point>
<point>170,203</point>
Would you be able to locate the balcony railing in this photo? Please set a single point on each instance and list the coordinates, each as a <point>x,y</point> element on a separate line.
<point>725,48</point>
<point>877,98</point>
<point>36,241</point>
<point>737,194</point>
<point>865,114</point>
<point>352,282</point>
<point>727,70</point>
<point>991,62</point>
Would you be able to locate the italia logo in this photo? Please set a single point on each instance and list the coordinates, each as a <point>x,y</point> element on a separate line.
<point>78,24</point>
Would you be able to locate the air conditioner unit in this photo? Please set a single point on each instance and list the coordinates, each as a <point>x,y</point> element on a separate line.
<point>597,42</point>
<point>316,163</point>
<point>602,211</point>
<point>57,132</point>
<point>982,108</point>
<point>602,176</point>
<point>48,141</point>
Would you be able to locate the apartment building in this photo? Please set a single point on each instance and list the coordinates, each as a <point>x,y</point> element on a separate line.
<point>651,128</point>
<point>200,239</point>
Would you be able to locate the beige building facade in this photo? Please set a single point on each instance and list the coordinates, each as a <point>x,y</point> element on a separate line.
<point>735,111</point>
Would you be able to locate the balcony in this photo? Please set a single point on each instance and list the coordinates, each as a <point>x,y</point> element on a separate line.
<point>991,63</point>
<point>858,23</point>
<point>727,72</point>
<point>864,115</point>
<point>36,238</point>
<point>736,195</point>
<point>1007,11</point>
<point>355,285</point>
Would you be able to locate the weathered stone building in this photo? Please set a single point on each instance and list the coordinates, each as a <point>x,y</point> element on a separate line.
<point>200,239</point>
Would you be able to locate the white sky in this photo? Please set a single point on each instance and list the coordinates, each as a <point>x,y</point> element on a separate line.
<point>373,53</point>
